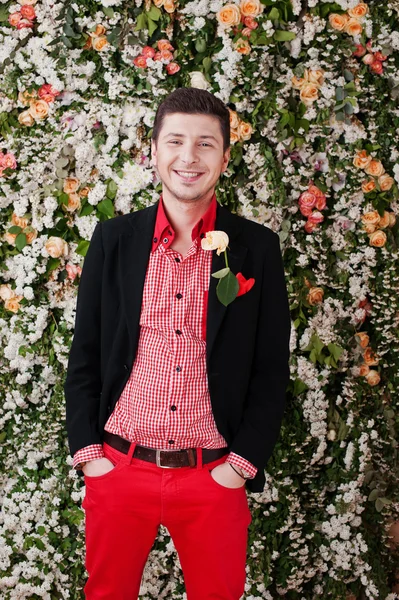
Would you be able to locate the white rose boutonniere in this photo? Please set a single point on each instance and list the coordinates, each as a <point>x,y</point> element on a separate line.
<point>229,286</point>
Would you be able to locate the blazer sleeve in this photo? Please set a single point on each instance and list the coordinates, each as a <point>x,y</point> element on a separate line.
<point>266,397</point>
<point>82,385</point>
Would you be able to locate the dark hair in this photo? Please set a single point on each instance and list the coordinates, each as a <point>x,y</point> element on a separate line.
<point>191,100</point>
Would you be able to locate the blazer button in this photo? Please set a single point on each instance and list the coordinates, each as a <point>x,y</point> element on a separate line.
<point>125,367</point>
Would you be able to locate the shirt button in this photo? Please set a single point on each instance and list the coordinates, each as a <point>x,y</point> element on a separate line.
<point>178,368</point>
<point>202,235</point>
<point>178,332</point>
<point>171,442</point>
<point>165,240</point>
<point>173,407</point>
<point>178,296</point>
<point>177,259</point>
<point>155,239</point>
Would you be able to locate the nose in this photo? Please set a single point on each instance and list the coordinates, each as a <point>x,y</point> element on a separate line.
<point>189,154</point>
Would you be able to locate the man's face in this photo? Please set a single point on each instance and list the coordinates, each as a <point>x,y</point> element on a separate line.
<point>189,156</point>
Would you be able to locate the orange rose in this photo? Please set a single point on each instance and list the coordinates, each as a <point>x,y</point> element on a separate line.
<point>26,97</point>
<point>164,45</point>
<point>158,3</point>
<point>353,27</point>
<point>338,22</point>
<point>100,30</point>
<point>369,357</point>
<point>378,239</point>
<point>364,370</point>
<point>242,46</point>
<point>245,130</point>
<point>169,6</point>
<point>362,159</point>
<point>374,168</point>
<point>234,119</point>
<point>234,136</point>
<point>368,185</point>
<point>362,339</point>
<point>12,304</point>
<point>372,218</point>
<point>359,11</point>
<point>315,296</point>
<point>251,8</point>
<point>172,68</point>
<point>229,15</point>
<point>373,377</point>
<point>73,202</point>
<point>84,192</point>
<point>38,109</point>
<point>315,76</point>
<point>99,43</point>
<point>71,184</point>
<point>385,182</point>
<point>309,93</point>
<point>392,219</point>
<point>384,220</point>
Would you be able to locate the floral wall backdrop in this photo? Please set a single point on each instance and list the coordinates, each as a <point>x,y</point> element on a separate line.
<point>312,87</point>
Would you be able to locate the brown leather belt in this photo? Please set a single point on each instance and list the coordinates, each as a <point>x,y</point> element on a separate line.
<point>168,459</point>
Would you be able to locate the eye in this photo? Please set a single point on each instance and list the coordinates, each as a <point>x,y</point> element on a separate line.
<point>173,141</point>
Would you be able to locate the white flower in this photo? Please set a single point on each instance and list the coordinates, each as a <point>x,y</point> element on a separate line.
<point>197,80</point>
<point>215,240</point>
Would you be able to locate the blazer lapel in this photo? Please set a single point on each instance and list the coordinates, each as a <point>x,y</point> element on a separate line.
<point>134,252</point>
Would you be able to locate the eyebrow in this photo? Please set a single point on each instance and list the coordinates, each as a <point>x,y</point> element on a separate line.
<point>202,137</point>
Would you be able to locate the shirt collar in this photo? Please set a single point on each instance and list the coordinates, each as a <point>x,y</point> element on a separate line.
<point>164,232</point>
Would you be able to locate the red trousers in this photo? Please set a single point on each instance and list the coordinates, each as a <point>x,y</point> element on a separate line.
<point>208,524</point>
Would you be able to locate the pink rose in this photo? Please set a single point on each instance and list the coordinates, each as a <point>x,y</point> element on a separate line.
<point>368,59</point>
<point>172,68</point>
<point>47,92</point>
<point>24,24</point>
<point>73,270</point>
<point>306,203</point>
<point>14,18</point>
<point>250,22</point>
<point>28,12</point>
<point>377,67</point>
<point>379,56</point>
<point>148,52</point>
<point>140,61</point>
<point>360,50</point>
<point>8,161</point>
<point>310,227</point>
<point>316,217</point>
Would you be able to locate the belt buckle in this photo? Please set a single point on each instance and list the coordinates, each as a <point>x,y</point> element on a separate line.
<point>158,462</point>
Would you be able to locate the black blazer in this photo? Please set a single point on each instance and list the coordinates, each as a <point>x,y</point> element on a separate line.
<point>247,342</point>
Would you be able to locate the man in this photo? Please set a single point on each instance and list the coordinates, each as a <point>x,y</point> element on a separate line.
<point>174,400</point>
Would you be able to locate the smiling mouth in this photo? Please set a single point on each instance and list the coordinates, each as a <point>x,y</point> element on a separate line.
<point>188,175</point>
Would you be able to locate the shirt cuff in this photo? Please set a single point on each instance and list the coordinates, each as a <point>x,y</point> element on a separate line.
<point>249,470</point>
<point>88,453</point>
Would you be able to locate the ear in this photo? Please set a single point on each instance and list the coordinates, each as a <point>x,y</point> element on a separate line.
<point>153,153</point>
<point>226,158</point>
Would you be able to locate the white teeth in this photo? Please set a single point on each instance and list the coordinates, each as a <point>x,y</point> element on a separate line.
<point>188,175</point>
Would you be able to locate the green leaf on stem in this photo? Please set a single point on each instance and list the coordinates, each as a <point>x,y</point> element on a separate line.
<point>227,288</point>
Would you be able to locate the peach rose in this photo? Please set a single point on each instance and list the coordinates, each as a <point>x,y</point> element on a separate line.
<point>359,11</point>
<point>169,6</point>
<point>25,118</point>
<point>362,159</point>
<point>27,2</point>
<point>234,137</point>
<point>353,27</point>
<point>251,8</point>
<point>245,130</point>
<point>6,291</point>
<point>99,43</point>
<point>56,247</point>
<point>384,220</point>
<point>100,30</point>
<point>309,93</point>
<point>362,338</point>
<point>315,76</point>
<point>158,3</point>
<point>373,377</point>
<point>378,239</point>
<point>84,192</point>
<point>229,15</point>
<point>10,238</point>
<point>30,233</point>
<point>73,202</point>
<point>315,296</point>
<point>19,221</point>
<point>234,119</point>
<point>364,370</point>
<point>306,203</point>
<point>88,44</point>
<point>371,218</point>
<point>338,22</point>
<point>14,18</point>
<point>38,109</point>
<point>12,304</point>
<point>71,184</point>
<point>368,59</point>
<point>368,185</point>
<point>26,97</point>
<point>392,219</point>
<point>164,45</point>
<point>242,46</point>
<point>298,82</point>
<point>385,182</point>
<point>8,161</point>
<point>172,68</point>
<point>374,168</point>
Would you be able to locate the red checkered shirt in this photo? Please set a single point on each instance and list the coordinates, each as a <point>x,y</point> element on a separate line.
<point>166,403</point>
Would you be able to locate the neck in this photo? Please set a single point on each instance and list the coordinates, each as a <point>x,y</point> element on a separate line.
<point>184,214</point>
